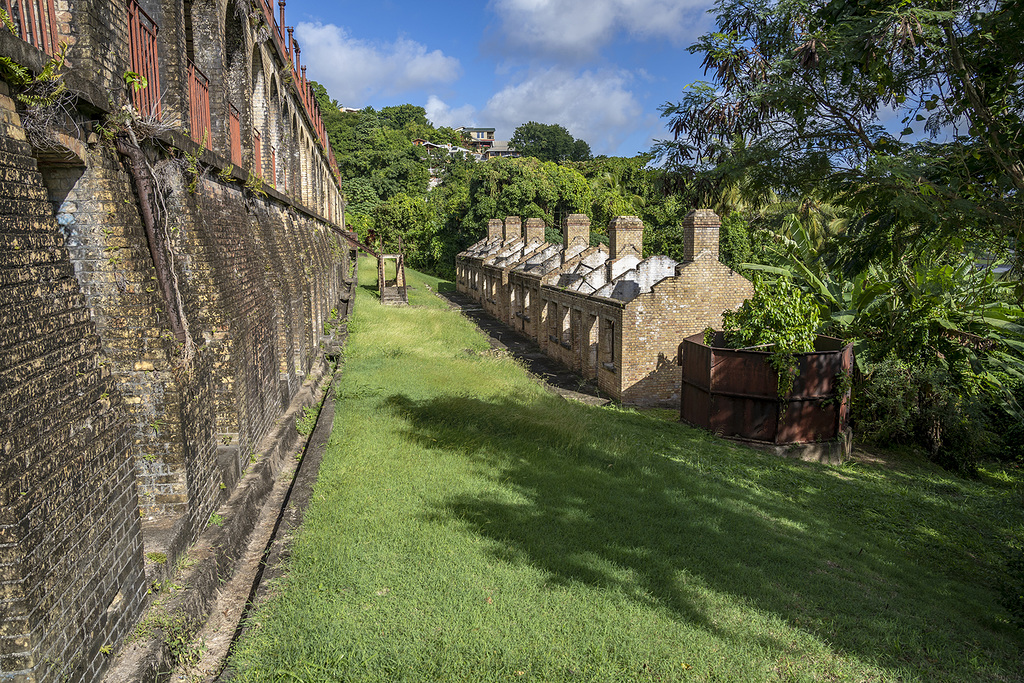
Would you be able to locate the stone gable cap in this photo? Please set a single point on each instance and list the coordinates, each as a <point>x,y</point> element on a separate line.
<point>627,223</point>
<point>704,216</point>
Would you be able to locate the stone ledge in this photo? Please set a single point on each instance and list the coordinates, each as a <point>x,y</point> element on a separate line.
<point>833,452</point>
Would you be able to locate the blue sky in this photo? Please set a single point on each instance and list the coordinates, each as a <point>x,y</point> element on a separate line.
<point>600,68</point>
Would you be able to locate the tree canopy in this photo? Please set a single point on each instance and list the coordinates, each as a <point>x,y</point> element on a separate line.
<point>548,142</point>
<point>802,91</point>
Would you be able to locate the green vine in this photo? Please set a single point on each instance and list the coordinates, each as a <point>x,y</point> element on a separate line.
<point>5,18</point>
<point>709,336</point>
<point>785,365</point>
<point>226,175</point>
<point>844,383</point>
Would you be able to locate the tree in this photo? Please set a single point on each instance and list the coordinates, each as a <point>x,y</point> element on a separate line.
<point>800,92</point>
<point>404,115</point>
<point>404,222</point>
<point>548,142</point>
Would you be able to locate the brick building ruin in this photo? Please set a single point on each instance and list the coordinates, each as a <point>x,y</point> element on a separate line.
<point>606,312</point>
<point>161,304</point>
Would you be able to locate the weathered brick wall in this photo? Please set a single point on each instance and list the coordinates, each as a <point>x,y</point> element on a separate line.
<point>97,212</point>
<point>103,413</point>
<point>98,39</point>
<point>71,569</point>
<point>257,283</point>
<point>626,340</point>
<point>675,308</point>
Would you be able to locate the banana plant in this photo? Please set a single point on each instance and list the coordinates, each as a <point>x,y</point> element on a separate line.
<point>932,309</point>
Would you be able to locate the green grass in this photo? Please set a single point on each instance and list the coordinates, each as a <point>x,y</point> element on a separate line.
<point>469,526</point>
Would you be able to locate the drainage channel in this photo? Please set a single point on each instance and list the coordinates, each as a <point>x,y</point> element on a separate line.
<point>323,425</point>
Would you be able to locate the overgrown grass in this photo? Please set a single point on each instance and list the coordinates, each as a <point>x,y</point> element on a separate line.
<point>469,526</point>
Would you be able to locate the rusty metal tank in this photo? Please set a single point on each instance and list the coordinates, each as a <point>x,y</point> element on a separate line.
<point>734,393</point>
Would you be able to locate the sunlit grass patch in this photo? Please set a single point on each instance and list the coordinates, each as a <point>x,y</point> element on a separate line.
<point>467,525</point>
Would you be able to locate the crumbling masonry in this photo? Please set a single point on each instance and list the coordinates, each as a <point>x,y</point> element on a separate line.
<point>161,304</point>
<point>606,312</point>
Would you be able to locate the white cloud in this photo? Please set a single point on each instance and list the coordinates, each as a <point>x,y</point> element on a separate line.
<point>441,114</point>
<point>354,70</point>
<point>580,28</point>
<point>595,106</point>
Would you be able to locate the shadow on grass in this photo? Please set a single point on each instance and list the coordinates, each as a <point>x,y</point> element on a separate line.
<point>662,513</point>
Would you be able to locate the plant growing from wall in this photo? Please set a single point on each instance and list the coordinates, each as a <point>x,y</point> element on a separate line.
<point>254,184</point>
<point>305,424</point>
<point>45,99</point>
<point>5,19</point>
<point>193,167</point>
<point>135,80</point>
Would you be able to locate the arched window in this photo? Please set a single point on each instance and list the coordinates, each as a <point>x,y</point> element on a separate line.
<point>261,142</point>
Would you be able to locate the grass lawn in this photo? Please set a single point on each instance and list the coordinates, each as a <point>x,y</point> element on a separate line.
<point>469,526</point>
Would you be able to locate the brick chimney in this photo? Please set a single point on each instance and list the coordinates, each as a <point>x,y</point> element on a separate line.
<point>576,229</point>
<point>700,234</point>
<point>494,228</point>
<point>534,230</point>
<point>626,236</point>
<point>513,228</point>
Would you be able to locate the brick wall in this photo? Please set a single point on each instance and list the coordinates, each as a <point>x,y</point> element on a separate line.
<point>103,413</point>
<point>71,570</point>
<point>608,315</point>
<point>675,308</point>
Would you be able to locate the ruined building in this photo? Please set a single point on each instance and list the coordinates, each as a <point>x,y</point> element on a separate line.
<point>168,262</point>
<point>606,312</point>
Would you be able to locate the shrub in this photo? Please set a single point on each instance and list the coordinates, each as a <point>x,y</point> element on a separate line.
<point>899,402</point>
<point>778,313</point>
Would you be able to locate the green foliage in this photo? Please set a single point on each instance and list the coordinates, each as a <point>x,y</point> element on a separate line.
<point>38,93</point>
<point>799,98</point>
<point>5,19</point>
<point>779,314</point>
<point>406,223</point>
<point>404,116</point>
<point>254,184</point>
<point>548,142</point>
<point>194,169</point>
<point>135,80</point>
<point>527,188</point>
<point>12,72</point>
<point>734,241</point>
<point>305,424</point>
<point>936,324</point>
<point>781,319</point>
<point>907,403</point>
